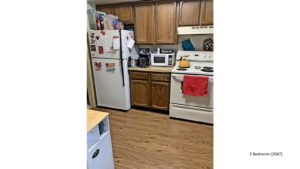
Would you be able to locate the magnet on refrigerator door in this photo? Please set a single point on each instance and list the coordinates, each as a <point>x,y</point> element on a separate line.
<point>97,65</point>
<point>130,43</point>
<point>97,37</point>
<point>116,43</point>
<point>110,66</point>
<point>100,49</point>
<point>93,48</point>
<point>92,39</point>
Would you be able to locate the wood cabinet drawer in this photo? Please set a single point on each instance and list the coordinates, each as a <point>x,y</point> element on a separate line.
<point>139,75</point>
<point>160,77</point>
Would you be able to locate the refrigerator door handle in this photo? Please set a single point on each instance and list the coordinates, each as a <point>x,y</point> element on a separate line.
<point>122,73</point>
<point>121,58</point>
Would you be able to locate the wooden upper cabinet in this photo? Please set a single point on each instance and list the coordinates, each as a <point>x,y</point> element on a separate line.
<point>189,12</point>
<point>124,12</point>
<point>144,23</point>
<point>206,16</point>
<point>106,9</point>
<point>165,22</point>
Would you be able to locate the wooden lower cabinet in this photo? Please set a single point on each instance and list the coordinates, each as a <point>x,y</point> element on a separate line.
<point>160,92</point>
<point>150,90</point>
<point>139,93</point>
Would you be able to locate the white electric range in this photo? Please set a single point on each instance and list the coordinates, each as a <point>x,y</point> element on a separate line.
<point>195,108</point>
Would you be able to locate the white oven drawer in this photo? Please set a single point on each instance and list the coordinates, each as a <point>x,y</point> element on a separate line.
<point>191,113</point>
<point>178,98</point>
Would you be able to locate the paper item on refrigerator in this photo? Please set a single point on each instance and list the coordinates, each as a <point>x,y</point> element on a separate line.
<point>100,49</point>
<point>134,54</point>
<point>130,43</point>
<point>110,66</point>
<point>116,43</point>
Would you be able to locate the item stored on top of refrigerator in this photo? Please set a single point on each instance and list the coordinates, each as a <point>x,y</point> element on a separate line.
<point>187,45</point>
<point>208,44</point>
<point>129,27</point>
<point>92,19</point>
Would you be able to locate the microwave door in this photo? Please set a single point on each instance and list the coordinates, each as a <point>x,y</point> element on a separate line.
<point>159,61</point>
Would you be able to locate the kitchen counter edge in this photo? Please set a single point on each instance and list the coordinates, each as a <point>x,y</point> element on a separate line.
<point>152,69</point>
<point>94,117</point>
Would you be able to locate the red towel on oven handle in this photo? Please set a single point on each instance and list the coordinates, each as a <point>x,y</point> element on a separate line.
<point>195,85</point>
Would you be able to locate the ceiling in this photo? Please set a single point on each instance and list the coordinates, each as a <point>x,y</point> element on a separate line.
<point>98,2</point>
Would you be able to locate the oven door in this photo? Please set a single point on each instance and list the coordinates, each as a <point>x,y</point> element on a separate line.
<point>199,101</point>
<point>159,60</point>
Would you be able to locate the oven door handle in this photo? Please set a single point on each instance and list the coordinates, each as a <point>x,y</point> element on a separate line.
<point>181,85</point>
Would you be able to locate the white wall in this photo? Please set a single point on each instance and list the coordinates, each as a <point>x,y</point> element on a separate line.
<point>197,40</point>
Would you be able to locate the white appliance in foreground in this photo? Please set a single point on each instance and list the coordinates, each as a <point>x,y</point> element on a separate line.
<point>195,108</point>
<point>110,52</point>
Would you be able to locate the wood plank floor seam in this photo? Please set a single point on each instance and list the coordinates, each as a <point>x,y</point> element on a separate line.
<point>150,140</point>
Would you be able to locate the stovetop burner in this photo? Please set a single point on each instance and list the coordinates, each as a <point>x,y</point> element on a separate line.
<point>182,69</point>
<point>207,69</point>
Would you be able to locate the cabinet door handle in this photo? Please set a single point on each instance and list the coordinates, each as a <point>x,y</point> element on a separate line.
<point>96,153</point>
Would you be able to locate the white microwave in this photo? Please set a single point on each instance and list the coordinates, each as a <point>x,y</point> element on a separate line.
<point>162,59</point>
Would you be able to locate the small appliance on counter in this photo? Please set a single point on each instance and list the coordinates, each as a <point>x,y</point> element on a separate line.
<point>183,63</point>
<point>143,60</point>
<point>163,57</point>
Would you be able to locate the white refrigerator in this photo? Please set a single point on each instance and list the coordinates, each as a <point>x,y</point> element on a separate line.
<point>110,50</point>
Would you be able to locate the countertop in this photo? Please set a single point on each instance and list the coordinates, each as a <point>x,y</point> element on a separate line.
<point>94,117</point>
<point>152,69</point>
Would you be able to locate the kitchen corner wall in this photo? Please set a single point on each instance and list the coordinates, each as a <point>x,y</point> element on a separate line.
<point>197,41</point>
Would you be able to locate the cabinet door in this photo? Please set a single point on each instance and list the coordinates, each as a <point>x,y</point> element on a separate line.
<point>189,12</point>
<point>160,95</point>
<point>101,155</point>
<point>106,9</point>
<point>140,93</point>
<point>144,23</point>
<point>207,12</point>
<point>165,30</point>
<point>124,13</point>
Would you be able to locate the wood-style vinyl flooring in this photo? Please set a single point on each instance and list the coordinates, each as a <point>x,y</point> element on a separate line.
<point>150,140</point>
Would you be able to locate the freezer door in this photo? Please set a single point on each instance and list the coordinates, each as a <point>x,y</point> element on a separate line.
<point>104,44</point>
<point>112,87</point>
